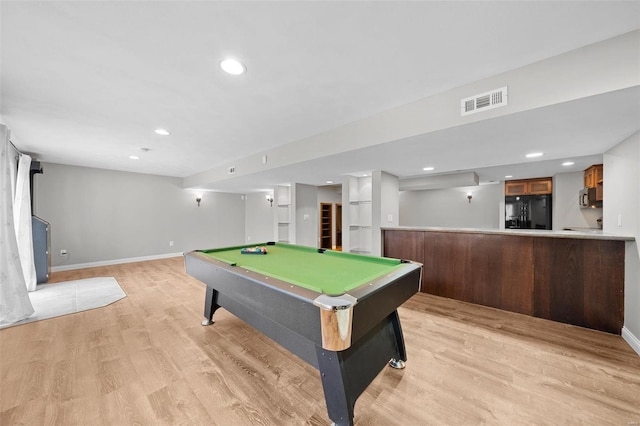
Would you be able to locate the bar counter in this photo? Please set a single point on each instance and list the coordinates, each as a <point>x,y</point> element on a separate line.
<point>575,277</point>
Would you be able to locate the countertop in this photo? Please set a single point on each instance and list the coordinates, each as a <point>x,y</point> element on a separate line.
<point>583,233</point>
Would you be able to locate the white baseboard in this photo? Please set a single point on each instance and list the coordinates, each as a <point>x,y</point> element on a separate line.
<point>632,340</point>
<point>113,262</point>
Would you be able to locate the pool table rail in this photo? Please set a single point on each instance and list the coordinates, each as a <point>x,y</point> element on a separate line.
<point>267,295</point>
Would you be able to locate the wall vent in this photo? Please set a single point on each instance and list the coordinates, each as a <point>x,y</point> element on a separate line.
<point>232,170</point>
<point>484,101</point>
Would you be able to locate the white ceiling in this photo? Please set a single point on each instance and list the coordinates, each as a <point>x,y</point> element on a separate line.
<point>86,83</point>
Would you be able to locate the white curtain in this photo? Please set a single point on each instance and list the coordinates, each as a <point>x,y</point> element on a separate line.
<point>22,222</point>
<point>14,299</point>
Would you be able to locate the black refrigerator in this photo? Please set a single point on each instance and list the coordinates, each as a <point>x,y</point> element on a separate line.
<point>528,211</point>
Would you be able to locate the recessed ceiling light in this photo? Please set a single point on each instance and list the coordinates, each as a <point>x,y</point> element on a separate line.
<point>134,157</point>
<point>162,132</point>
<point>329,181</point>
<point>534,155</point>
<point>233,66</point>
<point>508,176</point>
<point>568,163</point>
<point>427,169</point>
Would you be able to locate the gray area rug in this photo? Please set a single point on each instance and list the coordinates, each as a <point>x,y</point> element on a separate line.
<point>53,300</point>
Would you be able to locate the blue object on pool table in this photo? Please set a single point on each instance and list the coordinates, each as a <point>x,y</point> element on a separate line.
<point>254,250</point>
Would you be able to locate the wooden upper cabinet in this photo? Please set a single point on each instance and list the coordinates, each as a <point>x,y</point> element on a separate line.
<point>528,186</point>
<point>599,174</point>
<point>589,181</point>
<point>540,186</point>
<point>515,187</point>
<point>593,178</point>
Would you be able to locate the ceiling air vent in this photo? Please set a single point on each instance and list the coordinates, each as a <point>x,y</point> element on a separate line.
<point>484,101</point>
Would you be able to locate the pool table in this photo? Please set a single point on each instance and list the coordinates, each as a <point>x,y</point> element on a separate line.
<point>335,310</point>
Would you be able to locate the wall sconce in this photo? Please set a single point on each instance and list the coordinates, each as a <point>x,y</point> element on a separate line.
<point>270,199</point>
<point>469,196</point>
<point>198,199</point>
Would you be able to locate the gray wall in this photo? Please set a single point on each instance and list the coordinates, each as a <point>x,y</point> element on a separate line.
<point>307,221</point>
<point>385,199</point>
<point>566,212</point>
<point>622,216</point>
<point>259,222</point>
<point>104,215</point>
<point>451,208</point>
<point>330,194</point>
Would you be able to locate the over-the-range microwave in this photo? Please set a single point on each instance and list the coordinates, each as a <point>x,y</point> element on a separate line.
<point>587,199</point>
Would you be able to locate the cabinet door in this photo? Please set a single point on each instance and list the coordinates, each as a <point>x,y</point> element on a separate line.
<point>540,187</point>
<point>599,172</point>
<point>589,181</point>
<point>593,178</point>
<point>515,187</point>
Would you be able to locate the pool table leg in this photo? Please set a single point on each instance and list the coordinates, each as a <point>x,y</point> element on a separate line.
<point>210,305</point>
<point>398,362</point>
<point>346,374</point>
<point>340,403</point>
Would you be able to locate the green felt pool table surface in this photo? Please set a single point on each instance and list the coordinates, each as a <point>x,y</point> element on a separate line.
<point>330,272</point>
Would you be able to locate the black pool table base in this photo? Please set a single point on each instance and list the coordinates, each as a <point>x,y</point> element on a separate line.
<point>346,374</point>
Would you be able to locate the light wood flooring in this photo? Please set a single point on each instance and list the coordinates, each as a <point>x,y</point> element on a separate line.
<point>146,360</point>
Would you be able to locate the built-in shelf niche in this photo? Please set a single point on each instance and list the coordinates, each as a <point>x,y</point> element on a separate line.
<point>283,204</point>
<point>284,214</point>
<point>360,212</point>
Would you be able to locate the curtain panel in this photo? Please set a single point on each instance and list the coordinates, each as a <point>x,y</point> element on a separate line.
<point>22,222</point>
<point>14,298</point>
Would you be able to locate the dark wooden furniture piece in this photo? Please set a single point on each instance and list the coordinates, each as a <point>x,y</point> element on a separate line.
<point>326,224</point>
<point>577,281</point>
<point>339,226</point>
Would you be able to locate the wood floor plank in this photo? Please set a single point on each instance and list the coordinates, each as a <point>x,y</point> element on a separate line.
<point>146,360</point>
